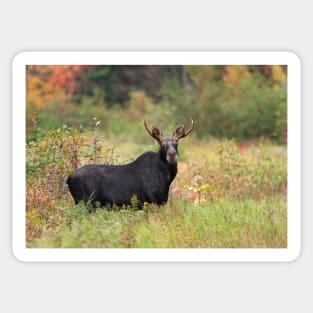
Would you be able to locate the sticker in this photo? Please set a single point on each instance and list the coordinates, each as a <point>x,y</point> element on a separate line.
<point>222,180</point>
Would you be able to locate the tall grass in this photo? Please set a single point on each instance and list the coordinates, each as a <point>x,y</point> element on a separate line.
<point>221,224</point>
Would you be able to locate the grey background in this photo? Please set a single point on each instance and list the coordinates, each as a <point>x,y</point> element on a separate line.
<point>157,25</point>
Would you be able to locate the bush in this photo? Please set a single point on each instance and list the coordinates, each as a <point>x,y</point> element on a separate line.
<point>251,109</point>
<point>227,174</point>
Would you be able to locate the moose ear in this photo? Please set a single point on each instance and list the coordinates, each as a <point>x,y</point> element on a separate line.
<point>156,133</point>
<point>179,132</point>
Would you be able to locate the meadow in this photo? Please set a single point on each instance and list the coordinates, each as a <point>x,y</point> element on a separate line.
<point>231,186</point>
<point>226,194</point>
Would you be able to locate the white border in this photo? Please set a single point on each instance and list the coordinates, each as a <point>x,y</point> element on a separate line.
<point>156,255</point>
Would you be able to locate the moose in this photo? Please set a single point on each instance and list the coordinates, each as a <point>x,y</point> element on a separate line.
<point>147,179</point>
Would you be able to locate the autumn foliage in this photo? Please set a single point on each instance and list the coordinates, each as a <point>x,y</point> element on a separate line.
<point>45,83</point>
<point>233,101</point>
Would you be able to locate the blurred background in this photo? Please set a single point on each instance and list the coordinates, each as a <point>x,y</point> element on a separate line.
<point>238,102</point>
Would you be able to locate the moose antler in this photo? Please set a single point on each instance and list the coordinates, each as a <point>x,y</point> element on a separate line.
<point>191,128</point>
<point>180,131</point>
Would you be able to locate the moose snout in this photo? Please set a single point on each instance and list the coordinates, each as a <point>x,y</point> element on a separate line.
<point>171,157</point>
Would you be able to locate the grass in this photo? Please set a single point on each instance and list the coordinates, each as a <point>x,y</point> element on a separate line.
<point>222,224</point>
<point>226,195</point>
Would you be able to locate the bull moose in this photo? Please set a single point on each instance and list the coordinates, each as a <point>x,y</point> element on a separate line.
<point>148,178</point>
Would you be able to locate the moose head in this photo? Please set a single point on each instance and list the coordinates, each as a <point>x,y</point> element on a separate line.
<point>168,145</point>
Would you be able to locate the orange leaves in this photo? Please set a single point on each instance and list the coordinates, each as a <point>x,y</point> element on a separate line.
<point>41,86</point>
<point>66,77</point>
<point>235,74</point>
<point>45,83</point>
<point>278,74</point>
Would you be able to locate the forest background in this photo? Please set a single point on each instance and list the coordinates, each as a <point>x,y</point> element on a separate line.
<point>239,102</point>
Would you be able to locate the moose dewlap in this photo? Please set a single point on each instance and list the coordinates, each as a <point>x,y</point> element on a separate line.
<point>147,179</point>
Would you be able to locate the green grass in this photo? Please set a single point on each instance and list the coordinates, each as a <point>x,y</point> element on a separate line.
<point>226,195</point>
<point>222,224</point>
